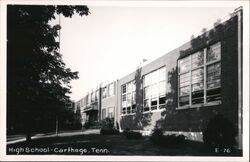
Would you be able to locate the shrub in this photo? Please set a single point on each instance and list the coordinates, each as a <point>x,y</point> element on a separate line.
<point>157,132</point>
<point>105,131</point>
<point>126,131</point>
<point>87,125</point>
<point>173,140</point>
<point>219,133</point>
<point>107,127</point>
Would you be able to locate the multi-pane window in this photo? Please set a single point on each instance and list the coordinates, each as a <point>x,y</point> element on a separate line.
<point>154,90</point>
<point>104,92</point>
<point>108,90</point>
<point>199,77</point>
<point>128,98</point>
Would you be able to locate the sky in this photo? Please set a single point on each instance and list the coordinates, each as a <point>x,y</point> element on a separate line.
<point>112,41</point>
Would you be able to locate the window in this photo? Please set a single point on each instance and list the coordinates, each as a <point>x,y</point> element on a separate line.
<point>92,97</point>
<point>154,103</point>
<point>214,52</point>
<point>213,82</point>
<point>162,102</point>
<point>111,112</point>
<point>103,113</point>
<point>124,88</point>
<point>184,65</point>
<point>128,98</point>
<point>123,110</point>
<point>133,108</point>
<point>87,99</point>
<point>197,59</point>
<point>124,98</point>
<point>133,97</point>
<point>96,95</point>
<point>197,86</point>
<point>154,90</point>
<point>111,89</point>
<point>104,92</point>
<point>199,78</point>
<point>146,105</point>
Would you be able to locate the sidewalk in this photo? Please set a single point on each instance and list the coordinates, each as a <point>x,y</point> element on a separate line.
<point>20,138</point>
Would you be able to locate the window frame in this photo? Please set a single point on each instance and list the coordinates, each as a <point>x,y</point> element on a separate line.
<point>104,92</point>
<point>204,66</point>
<point>152,84</point>
<point>127,90</point>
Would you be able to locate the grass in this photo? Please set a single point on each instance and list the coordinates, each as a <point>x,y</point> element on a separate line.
<point>96,144</point>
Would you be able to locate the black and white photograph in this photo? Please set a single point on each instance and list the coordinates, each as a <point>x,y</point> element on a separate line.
<point>125,80</point>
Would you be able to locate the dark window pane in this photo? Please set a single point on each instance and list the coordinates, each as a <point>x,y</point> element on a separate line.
<point>128,110</point>
<point>198,97</point>
<point>146,108</point>
<point>162,106</point>
<point>162,100</point>
<point>153,103</point>
<point>214,95</point>
<point>133,108</point>
<point>124,110</point>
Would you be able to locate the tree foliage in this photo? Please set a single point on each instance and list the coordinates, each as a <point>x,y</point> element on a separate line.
<point>37,78</point>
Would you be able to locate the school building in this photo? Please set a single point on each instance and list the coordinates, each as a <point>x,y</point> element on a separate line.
<point>182,90</point>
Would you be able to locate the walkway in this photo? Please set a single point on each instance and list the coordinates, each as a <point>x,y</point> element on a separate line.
<point>12,139</point>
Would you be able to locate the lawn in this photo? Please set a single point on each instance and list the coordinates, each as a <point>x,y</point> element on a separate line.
<point>96,144</point>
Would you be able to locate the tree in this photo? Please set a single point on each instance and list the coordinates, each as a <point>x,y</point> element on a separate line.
<point>37,78</point>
